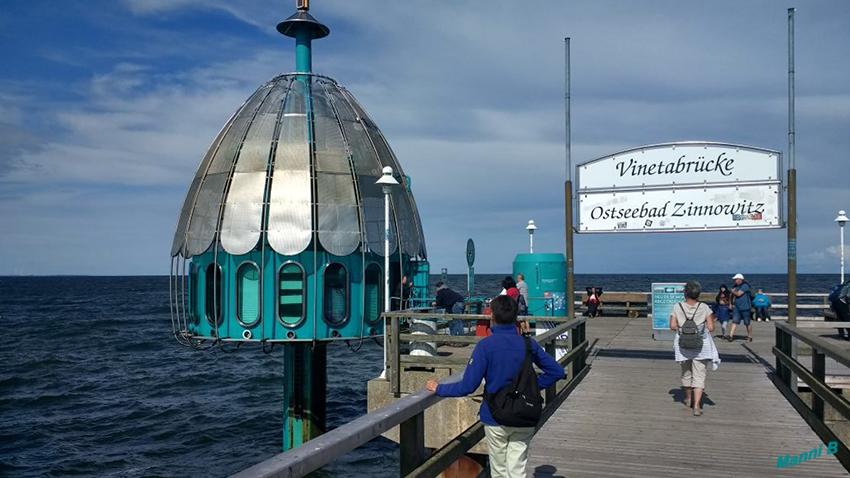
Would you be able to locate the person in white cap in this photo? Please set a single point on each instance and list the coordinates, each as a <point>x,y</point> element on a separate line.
<point>743,301</point>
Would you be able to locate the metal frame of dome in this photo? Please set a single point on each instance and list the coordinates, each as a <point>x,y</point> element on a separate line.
<point>259,182</point>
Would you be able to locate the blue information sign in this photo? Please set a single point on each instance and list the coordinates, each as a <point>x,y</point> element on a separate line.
<point>664,296</point>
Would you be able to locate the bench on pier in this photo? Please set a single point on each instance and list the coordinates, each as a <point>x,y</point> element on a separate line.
<point>631,304</point>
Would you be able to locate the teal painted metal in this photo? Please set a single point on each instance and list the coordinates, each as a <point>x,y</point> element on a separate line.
<point>303,53</point>
<point>305,390</point>
<point>270,326</point>
<point>420,274</point>
<point>545,275</point>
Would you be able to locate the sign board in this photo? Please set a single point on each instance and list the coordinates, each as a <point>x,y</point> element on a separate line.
<point>664,296</point>
<point>681,187</point>
<point>687,209</point>
<point>470,252</point>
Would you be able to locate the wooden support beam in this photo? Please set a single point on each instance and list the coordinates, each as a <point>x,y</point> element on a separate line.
<point>411,448</point>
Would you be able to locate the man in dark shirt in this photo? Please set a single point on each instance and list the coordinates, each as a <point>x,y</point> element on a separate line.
<point>498,359</point>
<point>453,303</point>
<point>401,301</point>
<point>743,302</point>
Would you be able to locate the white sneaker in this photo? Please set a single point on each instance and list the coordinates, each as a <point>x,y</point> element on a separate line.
<point>758,320</point>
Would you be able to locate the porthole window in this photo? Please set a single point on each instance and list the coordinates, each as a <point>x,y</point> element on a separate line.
<point>336,294</point>
<point>248,294</point>
<point>372,293</point>
<point>212,293</point>
<point>290,295</point>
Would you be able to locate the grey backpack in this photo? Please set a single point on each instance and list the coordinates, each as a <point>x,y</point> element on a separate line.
<point>690,335</point>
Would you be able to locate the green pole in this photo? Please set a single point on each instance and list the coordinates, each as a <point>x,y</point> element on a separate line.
<point>303,54</point>
<point>305,390</point>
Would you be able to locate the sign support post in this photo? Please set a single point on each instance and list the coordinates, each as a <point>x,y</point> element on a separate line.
<point>792,198</point>
<point>568,189</point>
<point>470,271</point>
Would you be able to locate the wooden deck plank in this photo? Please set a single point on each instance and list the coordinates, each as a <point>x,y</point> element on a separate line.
<point>626,418</point>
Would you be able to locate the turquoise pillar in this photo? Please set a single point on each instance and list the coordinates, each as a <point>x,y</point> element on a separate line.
<point>305,363</point>
<point>305,391</point>
<point>303,55</point>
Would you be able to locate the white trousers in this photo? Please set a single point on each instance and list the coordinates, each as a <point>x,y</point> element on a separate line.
<point>508,450</point>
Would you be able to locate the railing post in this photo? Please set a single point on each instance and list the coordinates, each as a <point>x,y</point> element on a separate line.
<point>576,334</point>
<point>790,378</point>
<point>780,344</point>
<point>395,373</point>
<point>411,448</point>
<point>819,371</point>
<point>551,391</point>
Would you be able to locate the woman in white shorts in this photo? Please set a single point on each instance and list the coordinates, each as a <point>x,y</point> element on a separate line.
<point>694,362</point>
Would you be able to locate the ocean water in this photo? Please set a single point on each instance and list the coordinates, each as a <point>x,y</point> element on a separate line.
<point>93,384</point>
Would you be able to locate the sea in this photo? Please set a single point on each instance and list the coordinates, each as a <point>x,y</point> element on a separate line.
<point>92,382</point>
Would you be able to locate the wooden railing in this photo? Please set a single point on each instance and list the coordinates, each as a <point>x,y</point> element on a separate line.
<point>412,458</point>
<point>408,412</point>
<point>788,369</point>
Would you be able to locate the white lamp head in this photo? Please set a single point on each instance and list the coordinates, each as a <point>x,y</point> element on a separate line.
<point>387,179</point>
<point>531,227</point>
<point>842,218</point>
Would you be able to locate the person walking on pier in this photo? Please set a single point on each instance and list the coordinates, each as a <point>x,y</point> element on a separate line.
<point>761,303</point>
<point>453,303</point>
<point>498,360</point>
<point>724,293</point>
<point>839,302</point>
<point>522,287</point>
<point>723,314</point>
<point>693,346</point>
<point>402,299</point>
<point>593,302</point>
<point>743,303</point>
<point>511,288</point>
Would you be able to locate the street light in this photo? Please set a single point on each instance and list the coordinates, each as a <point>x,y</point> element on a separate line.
<point>531,228</point>
<point>841,220</point>
<point>387,181</point>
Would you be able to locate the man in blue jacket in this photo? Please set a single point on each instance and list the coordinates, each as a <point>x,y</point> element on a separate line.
<point>498,359</point>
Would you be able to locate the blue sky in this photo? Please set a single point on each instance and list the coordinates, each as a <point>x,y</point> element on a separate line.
<point>106,107</point>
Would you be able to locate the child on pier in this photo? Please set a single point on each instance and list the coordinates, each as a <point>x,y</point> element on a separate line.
<point>723,313</point>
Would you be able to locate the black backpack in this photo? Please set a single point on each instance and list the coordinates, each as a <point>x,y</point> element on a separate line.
<point>522,305</point>
<point>518,404</point>
<point>844,295</point>
<point>690,335</point>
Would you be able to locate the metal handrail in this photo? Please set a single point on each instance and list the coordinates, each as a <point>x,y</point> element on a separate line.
<point>787,368</point>
<point>408,414</point>
<point>322,450</point>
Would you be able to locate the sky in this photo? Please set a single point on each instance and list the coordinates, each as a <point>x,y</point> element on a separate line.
<point>107,106</point>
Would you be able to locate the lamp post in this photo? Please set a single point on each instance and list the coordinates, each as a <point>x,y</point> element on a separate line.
<point>387,181</point>
<point>841,220</point>
<point>531,228</point>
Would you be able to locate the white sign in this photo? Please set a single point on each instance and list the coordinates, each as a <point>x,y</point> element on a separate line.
<point>682,209</point>
<point>681,187</point>
<point>680,164</point>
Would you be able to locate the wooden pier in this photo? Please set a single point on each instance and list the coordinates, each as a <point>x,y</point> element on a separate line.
<point>627,418</point>
<point>621,410</point>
